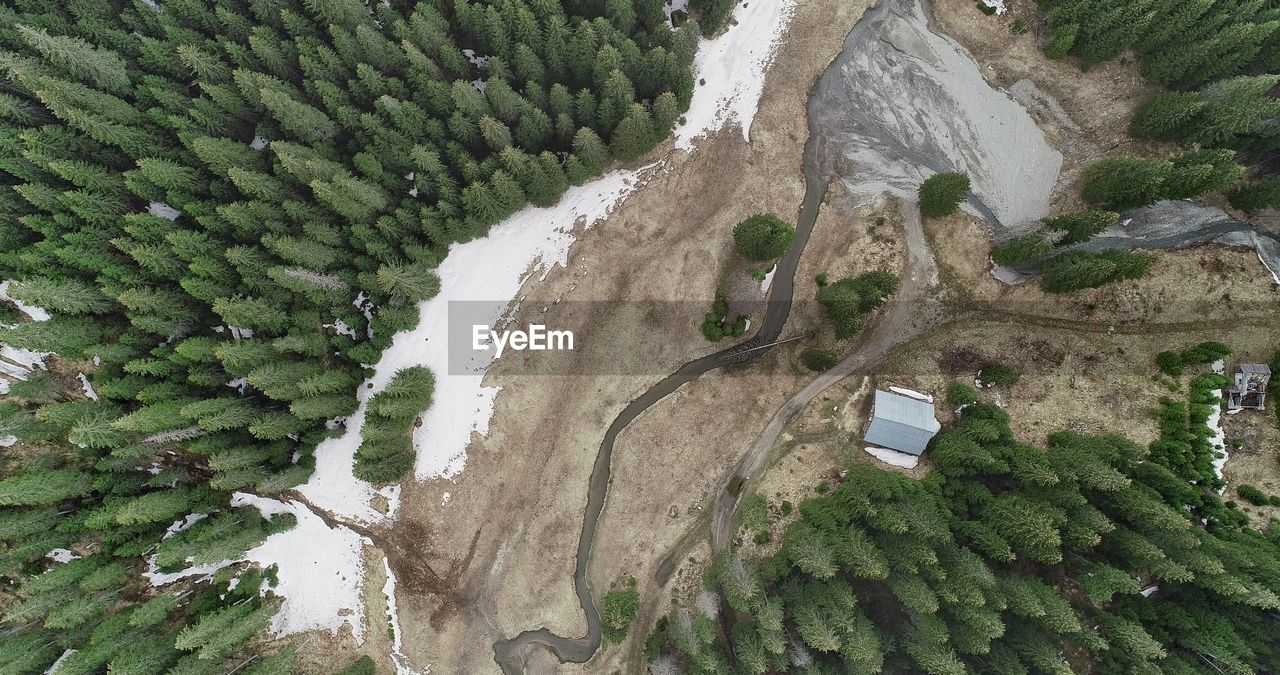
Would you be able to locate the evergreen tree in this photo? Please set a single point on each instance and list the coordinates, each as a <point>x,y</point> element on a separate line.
<point>942,193</point>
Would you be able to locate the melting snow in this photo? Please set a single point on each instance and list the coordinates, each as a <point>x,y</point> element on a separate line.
<point>393,616</point>
<point>258,143</point>
<point>163,210</point>
<point>19,363</point>
<point>88,388</point>
<point>61,555</point>
<point>893,457</point>
<point>1219,440</point>
<point>733,67</point>
<point>997,5</point>
<point>319,569</point>
<point>767,281</point>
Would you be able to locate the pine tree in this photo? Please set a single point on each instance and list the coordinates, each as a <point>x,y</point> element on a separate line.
<point>942,193</point>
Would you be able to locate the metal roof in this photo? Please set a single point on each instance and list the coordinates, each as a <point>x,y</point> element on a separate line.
<point>1254,368</point>
<point>901,423</point>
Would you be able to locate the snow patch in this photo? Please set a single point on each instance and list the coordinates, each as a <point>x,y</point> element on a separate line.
<point>341,328</point>
<point>393,617</point>
<point>163,210</point>
<point>893,457</point>
<point>912,393</point>
<point>997,5</point>
<point>61,555</point>
<point>258,143</point>
<point>20,363</point>
<point>320,570</point>
<point>56,664</point>
<point>1219,440</point>
<point>733,68</point>
<point>88,388</point>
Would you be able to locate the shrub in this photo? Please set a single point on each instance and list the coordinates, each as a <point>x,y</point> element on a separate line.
<point>755,513</point>
<point>1080,226</point>
<point>1125,182</point>
<point>848,301</point>
<point>961,394</point>
<point>1170,363</point>
<point>942,193</point>
<point>995,373</point>
<point>1253,495</point>
<point>818,359</point>
<point>1077,270</point>
<point>617,611</point>
<point>1028,247</point>
<point>763,236</point>
<point>1205,352</point>
<point>786,507</point>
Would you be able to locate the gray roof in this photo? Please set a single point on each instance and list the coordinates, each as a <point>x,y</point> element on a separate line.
<point>901,423</point>
<point>1254,368</point>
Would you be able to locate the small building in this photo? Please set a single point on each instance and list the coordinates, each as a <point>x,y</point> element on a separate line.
<point>901,423</point>
<point>1249,390</point>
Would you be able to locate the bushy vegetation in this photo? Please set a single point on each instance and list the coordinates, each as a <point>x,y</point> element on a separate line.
<point>712,14</point>
<point>1125,182</point>
<point>386,439</point>
<point>960,394</point>
<point>1256,497</point>
<point>994,373</point>
<point>617,610</point>
<point>717,324</point>
<point>230,207</point>
<point>763,236</point>
<point>818,359</point>
<point>1065,230</point>
<point>1077,270</point>
<point>941,194</point>
<point>1007,558</point>
<point>1171,363</point>
<point>846,303</point>
<point>1182,44</point>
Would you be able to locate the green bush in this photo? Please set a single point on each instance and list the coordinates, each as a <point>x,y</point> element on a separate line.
<point>786,507</point>
<point>617,611</point>
<point>1028,247</point>
<point>995,373</point>
<point>847,302</point>
<point>1205,352</point>
<point>1080,226</point>
<point>1170,363</point>
<point>362,666</point>
<point>961,394</point>
<point>1078,270</point>
<point>1253,495</point>
<point>818,359</point>
<point>942,193</point>
<point>763,236</point>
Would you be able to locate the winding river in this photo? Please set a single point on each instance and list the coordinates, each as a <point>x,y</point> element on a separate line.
<point>899,103</point>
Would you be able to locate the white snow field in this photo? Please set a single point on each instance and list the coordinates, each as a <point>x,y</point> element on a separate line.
<point>733,67</point>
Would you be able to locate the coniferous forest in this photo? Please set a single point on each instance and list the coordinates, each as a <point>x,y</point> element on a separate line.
<point>228,207</point>
<point>1219,60</point>
<point>1096,555</point>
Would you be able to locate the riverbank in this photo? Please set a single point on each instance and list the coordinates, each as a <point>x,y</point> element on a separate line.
<point>518,504</point>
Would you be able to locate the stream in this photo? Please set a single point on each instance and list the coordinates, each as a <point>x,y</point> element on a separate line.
<point>900,103</point>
